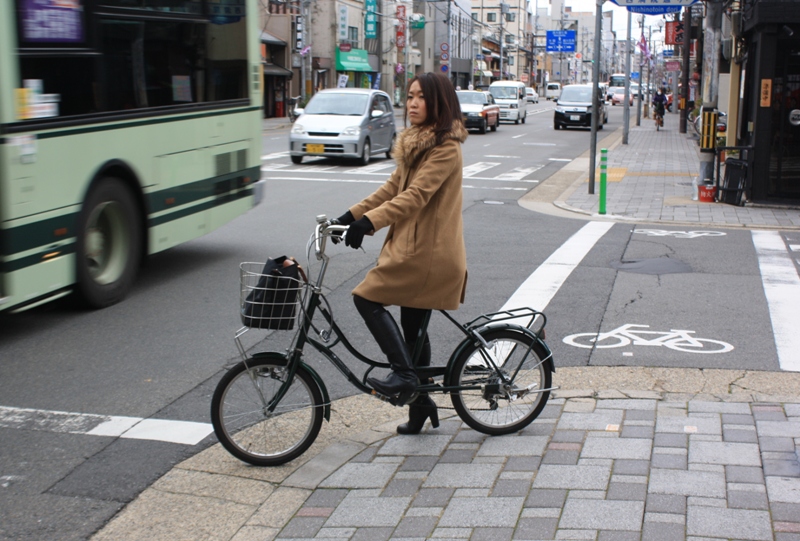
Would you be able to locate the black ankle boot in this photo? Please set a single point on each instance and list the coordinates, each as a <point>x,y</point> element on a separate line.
<point>402,380</point>
<point>418,411</point>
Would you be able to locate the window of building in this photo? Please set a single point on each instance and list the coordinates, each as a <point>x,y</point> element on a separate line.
<point>352,36</point>
<point>510,60</point>
<point>510,38</point>
<point>511,17</point>
<point>475,15</point>
<point>491,17</point>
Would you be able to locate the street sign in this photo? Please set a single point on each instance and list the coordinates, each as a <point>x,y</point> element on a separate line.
<point>653,7</point>
<point>673,65</point>
<point>445,57</point>
<point>561,41</point>
<point>444,47</point>
<point>635,75</point>
<point>445,68</point>
<point>345,47</point>
<point>667,52</point>
<point>578,56</point>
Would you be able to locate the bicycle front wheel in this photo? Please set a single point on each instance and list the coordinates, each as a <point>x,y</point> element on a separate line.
<point>496,406</point>
<point>245,426</point>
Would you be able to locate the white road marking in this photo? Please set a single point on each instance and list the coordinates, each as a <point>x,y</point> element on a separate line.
<point>518,173</point>
<point>372,169</point>
<point>364,181</point>
<point>560,159</point>
<point>316,168</point>
<point>794,247</point>
<point>182,432</point>
<point>520,135</point>
<point>275,155</point>
<point>782,289</point>
<point>540,287</point>
<point>274,167</point>
<point>499,156</point>
<point>476,168</point>
<point>541,144</point>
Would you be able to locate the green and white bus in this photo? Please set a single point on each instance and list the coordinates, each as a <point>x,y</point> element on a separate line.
<point>126,128</point>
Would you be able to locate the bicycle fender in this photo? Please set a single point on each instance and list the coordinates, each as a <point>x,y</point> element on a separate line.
<point>280,359</point>
<point>549,364</point>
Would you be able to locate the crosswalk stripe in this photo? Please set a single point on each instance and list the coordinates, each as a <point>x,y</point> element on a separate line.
<point>782,289</point>
<point>365,181</point>
<point>182,432</point>
<point>275,155</point>
<point>371,169</point>
<point>518,173</point>
<point>476,168</point>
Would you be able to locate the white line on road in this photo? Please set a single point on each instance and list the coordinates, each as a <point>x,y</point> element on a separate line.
<point>183,432</point>
<point>372,169</point>
<point>560,159</point>
<point>364,181</point>
<point>794,247</point>
<point>520,135</point>
<point>541,144</point>
<point>540,287</point>
<point>476,168</point>
<point>518,173</point>
<point>782,289</point>
<point>498,156</point>
<point>275,155</point>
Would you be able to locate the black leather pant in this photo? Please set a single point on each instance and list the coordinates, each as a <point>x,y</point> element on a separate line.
<point>410,320</point>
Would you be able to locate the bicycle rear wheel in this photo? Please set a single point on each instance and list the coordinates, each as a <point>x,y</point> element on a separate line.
<point>495,408</point>
<point>245,427</point>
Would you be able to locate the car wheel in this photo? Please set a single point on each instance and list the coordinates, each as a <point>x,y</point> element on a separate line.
<point>496,123</point>
<point>516,120</point>
<point>365,153</point>
<point>556,127</point>
<point>297,160</point>
<point>484,126</point>
<point>391,146</point>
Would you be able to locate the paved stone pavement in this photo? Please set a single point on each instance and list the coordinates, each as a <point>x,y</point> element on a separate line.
<point>650,180</point>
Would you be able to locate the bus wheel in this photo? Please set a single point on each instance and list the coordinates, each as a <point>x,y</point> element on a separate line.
<point>109,247</point>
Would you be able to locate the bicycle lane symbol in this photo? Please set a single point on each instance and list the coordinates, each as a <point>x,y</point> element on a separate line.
<point>675,339</point>
<point>678,234</point>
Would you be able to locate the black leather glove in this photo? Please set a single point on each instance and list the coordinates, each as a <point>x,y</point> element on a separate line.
<point>356,232</point>
<point>345,219</point>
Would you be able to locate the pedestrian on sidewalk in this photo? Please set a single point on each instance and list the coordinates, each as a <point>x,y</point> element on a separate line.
<point>422,265</point>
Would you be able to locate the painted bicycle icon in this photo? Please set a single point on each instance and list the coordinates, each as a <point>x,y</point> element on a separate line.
<point>678,234</point>
<point>676,339</point>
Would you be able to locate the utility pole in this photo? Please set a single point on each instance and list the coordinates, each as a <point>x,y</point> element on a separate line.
<point>596,120</point>
<point>626,111</point>
<point>641,69</point>
<point>711,52</point>
<point>649,69</point>
<point>503,11</point>
<point>687,45</point>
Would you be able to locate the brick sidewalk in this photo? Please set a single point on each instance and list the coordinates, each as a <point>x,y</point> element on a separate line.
<point>650,180</point>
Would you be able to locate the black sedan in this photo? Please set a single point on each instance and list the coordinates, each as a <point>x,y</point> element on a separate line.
<point>574,108</point>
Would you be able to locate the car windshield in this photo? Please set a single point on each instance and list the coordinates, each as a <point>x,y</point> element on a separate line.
<point>336,103</point>
<point>552,87</point>
<point>504,92</point>
<point>617,90</point>
<point>576,93</point>
<point>473,98</point>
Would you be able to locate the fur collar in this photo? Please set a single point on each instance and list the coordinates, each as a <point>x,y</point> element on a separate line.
<point>415,141</point>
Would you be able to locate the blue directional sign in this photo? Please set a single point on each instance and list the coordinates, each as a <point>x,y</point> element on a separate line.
<point>561,41</point>
<point>653,7</point>
<point>667,52</point>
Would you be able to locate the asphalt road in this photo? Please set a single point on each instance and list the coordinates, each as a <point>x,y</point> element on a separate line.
<point>159,354</point>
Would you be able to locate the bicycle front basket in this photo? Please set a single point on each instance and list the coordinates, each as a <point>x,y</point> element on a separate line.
<point>269,294</point>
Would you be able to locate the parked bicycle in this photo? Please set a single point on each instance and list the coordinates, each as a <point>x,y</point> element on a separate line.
<point>268,409</point>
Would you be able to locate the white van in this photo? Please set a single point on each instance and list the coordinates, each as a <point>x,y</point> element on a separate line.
<point>510,96</point>
<point>553,91</point>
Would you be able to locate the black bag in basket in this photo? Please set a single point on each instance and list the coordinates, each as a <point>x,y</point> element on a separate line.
<point>272,303</point>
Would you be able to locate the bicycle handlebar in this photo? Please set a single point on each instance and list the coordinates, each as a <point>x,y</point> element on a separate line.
<point>325,228</point>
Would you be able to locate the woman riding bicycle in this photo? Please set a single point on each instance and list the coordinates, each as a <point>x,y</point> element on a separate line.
<point>422,265</point>
<point>659,106</point>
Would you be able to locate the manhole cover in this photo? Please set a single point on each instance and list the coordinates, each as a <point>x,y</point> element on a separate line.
<point>658,265</point>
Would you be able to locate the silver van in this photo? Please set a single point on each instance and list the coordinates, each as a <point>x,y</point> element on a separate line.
<point>553,91</point>
<point>344,123</point>
<point>510,96</point>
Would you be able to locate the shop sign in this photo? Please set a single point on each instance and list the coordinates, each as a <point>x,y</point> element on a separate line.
<point>400,36</point>
<point>342,22</point>
<point>766,92</point>
<point>371,19</point>
<point>345,47</point>
<point>794,117</point>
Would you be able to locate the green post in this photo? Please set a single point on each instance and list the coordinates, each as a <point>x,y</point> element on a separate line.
<point>603,160</point>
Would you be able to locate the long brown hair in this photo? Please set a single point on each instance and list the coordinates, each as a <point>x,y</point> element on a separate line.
<point>441,103</point>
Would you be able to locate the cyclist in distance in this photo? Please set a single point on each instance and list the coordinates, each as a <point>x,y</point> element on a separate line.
<point>659,105</point>
<point>422,265</point>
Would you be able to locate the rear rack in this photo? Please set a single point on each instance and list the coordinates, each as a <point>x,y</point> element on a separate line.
<point>505,315</point>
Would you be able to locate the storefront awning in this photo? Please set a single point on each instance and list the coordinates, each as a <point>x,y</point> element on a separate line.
<point>353,60</point>
<point>488,73</point>
<point>272,69</point>
<point>268,38</point>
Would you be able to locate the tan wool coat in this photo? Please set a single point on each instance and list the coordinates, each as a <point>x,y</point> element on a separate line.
<point>423,262</point>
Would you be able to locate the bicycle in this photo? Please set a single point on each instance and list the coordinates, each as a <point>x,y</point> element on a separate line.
<point>658,114</point>
<point>268,409</point>
<point>293,108</point>
<point>675,339</point>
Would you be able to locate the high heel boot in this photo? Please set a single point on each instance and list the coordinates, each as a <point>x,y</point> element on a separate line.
<point>418,411</point>
<point>402,380</point>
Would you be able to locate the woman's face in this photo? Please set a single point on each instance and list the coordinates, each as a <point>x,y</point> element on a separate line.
<point>417,112</point>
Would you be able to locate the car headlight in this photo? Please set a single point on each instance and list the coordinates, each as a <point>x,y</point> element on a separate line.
<point>560,110</point>
<point>514,106</point>
<point>298,129</point>
<point>352,130</point>
<point>589,110</point>
<point>475,114</point>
